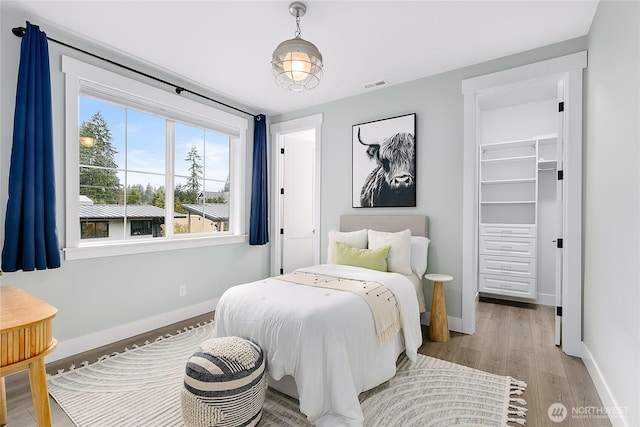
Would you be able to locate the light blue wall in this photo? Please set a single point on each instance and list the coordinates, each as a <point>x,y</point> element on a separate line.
<point>611,202</point>
<point>99,294</point>
<point>438,103</point>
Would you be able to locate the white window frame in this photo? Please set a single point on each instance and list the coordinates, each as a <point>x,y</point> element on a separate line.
<point>82,78</point>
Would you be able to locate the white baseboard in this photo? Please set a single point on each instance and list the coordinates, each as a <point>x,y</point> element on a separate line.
<point>546,299</point>
<point>84,343</point>
<point>455,323</point>
<point>608,401</point>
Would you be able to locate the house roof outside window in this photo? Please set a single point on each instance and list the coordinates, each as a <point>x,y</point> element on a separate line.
<point>208,195</point>
<point>211,211</point>
<point>117,211</point>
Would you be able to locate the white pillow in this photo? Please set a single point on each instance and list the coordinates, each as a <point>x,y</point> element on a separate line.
<point>419,253</point>
<point>399,260</point>
<point>356,239</point>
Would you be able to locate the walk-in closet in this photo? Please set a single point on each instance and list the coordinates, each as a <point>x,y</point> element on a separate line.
<point>518,215</point>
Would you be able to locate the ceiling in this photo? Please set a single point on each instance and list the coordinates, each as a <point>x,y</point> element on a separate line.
<point>226,46</point>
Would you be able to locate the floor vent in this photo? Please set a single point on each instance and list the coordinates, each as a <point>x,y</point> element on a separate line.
<point>376,84</point>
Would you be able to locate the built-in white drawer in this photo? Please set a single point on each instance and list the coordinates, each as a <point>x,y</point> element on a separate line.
<point>510,246</point>
<point>508,230</point>
<point>505,285</point>
<point>511,266</point>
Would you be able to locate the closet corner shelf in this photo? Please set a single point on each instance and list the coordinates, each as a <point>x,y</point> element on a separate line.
<point>547,164</point>
<point>548,139</point>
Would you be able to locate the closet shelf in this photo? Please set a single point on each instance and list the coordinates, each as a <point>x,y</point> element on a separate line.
<point>508,144</point>
<point>507,159</point>
<point>508,181</point>
<point>509,202</point>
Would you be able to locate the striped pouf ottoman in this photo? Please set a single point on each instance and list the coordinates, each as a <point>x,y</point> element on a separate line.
<point>224,384</point>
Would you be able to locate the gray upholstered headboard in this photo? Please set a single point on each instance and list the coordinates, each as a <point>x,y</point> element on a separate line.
<point>418,224</point>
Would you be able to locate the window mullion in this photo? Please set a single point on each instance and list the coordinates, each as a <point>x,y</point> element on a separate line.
<point>203,179</point>
<point>169,177</point>
<point>126,174</point>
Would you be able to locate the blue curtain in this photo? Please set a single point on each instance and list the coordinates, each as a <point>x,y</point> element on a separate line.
<point>258,226</point>
<point>30,235</point>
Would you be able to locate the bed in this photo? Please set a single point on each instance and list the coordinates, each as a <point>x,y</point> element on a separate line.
<point>322,345</point>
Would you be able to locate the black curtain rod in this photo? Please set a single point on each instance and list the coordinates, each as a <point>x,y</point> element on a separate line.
<point>20,31</point>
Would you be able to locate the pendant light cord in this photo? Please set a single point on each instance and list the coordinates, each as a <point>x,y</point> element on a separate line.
<point>298,32</point>
<point>20,31</point>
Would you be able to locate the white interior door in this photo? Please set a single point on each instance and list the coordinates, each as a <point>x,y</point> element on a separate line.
<point>297,195</point>
<point>559,213</point>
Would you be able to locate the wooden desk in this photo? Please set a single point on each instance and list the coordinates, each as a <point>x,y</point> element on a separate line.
<point>25,339</point>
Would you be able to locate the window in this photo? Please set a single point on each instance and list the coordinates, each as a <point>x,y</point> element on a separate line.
<point>141,227</point>
<point>160,170</point>
<point>122,167</point>
<point>94,229</point>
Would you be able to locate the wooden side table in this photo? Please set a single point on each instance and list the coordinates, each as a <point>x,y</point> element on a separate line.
<point>25,339</point>
<point>438,323</point>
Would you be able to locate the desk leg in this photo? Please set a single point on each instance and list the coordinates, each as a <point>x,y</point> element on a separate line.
<point>438,323</point>
<point>39,393</point>
<point>3,403</point>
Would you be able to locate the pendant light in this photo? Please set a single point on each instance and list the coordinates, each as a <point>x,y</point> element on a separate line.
<point>297,63</point>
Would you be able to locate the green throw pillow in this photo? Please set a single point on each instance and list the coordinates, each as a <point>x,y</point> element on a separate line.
<point>373,259</point>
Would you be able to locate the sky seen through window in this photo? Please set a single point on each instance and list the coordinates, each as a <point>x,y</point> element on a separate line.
<point>139,139</point>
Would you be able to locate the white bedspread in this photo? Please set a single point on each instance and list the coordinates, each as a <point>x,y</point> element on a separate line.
<point>325,339</point>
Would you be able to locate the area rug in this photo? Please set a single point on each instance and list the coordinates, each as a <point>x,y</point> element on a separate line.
<point>140,387</point>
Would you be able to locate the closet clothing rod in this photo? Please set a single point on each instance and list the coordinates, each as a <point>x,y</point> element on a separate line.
<point>19,32</point>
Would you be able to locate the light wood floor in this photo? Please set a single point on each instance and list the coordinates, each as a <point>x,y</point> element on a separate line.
<point>515,340</point>
<point>518,340</point>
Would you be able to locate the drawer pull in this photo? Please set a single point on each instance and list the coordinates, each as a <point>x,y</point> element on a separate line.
<point>505,267</point>
<point>507,231</point>
<point>505,286</point>
<point>505,247</point>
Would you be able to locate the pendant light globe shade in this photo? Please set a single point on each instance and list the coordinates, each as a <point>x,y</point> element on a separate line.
<point>297,64</point>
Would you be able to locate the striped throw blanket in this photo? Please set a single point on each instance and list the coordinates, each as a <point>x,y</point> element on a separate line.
<point>380,299</point>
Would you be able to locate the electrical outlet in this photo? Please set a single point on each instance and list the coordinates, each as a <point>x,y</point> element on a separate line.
<point>182,290</point>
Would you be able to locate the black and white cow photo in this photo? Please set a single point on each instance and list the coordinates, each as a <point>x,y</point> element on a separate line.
<point>384,163</point>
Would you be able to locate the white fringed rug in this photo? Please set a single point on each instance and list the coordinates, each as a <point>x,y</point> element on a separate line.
<point>140,387</point>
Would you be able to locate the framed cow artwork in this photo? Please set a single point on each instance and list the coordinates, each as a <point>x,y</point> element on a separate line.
<point>384,163</point>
